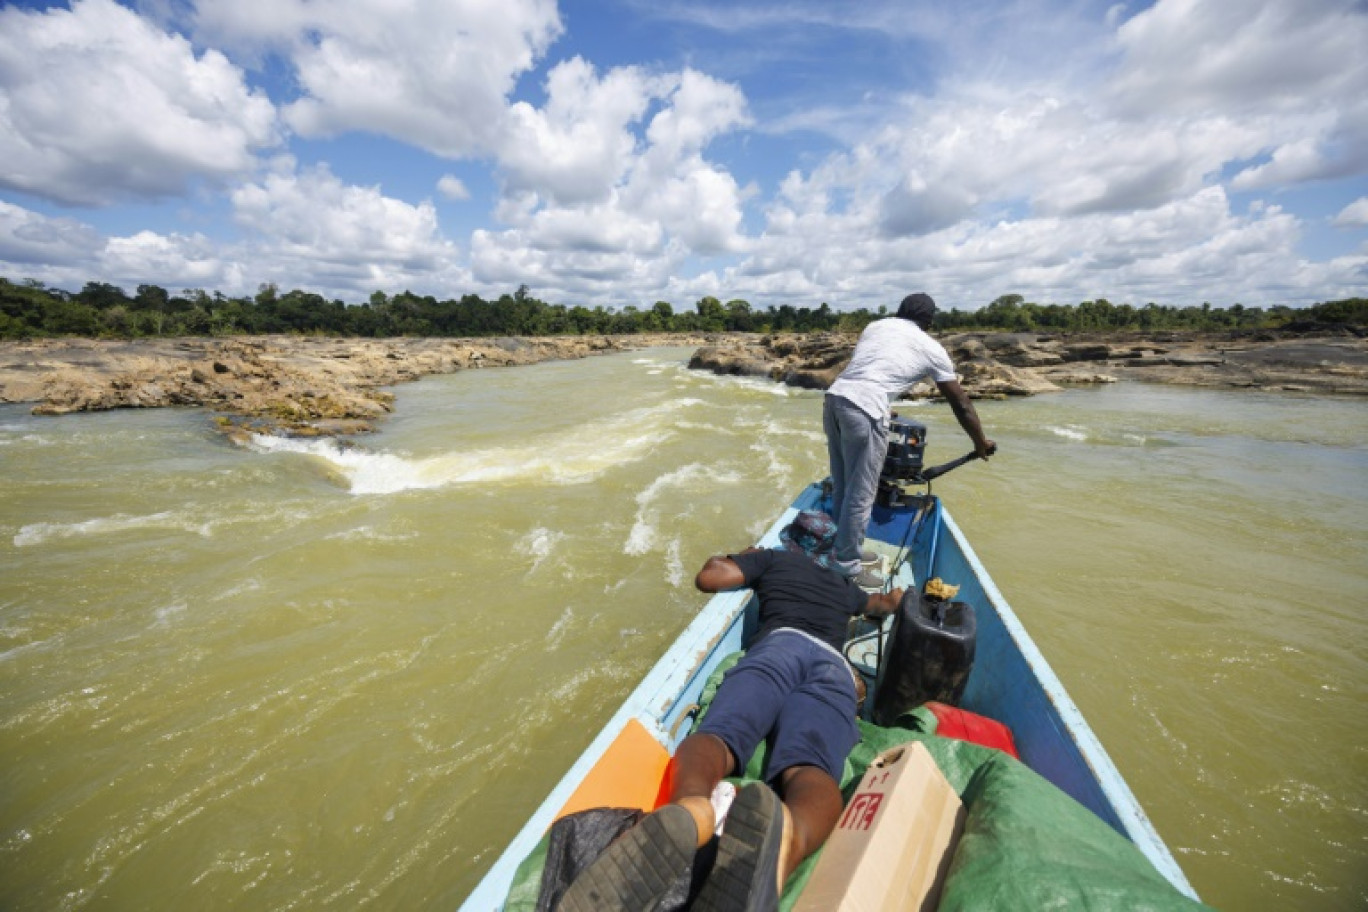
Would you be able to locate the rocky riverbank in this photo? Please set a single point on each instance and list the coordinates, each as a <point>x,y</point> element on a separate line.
<point>294,385</point>
<point>1000,365</point>
<point>303,385</point>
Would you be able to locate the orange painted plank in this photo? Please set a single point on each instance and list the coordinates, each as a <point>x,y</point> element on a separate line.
<point>628,775</point>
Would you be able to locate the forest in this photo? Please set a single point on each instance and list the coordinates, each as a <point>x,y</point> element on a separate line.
<point>30,309</point>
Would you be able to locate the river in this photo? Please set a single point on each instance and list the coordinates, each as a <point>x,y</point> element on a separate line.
<point>312,675</point>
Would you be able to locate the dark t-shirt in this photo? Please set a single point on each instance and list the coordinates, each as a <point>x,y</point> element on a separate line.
<point>795,592</point>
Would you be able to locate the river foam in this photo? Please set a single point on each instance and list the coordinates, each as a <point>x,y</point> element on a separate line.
<point>645,533</point>
<point>577,457</point>
<point>38,533</point>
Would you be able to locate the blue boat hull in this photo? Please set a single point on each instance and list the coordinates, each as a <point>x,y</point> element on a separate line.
<point>1011,683</point>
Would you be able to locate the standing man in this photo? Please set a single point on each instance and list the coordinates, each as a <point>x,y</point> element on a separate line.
<point>792,688</point>
<point>892,355</point>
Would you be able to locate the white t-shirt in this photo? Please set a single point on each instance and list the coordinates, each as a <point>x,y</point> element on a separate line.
<point>892,354</point>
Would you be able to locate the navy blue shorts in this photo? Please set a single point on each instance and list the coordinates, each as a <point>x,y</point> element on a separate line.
<point>797,693</point>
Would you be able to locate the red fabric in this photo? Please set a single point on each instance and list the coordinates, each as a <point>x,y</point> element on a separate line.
<point>666,784</point>
<point>953,722</point>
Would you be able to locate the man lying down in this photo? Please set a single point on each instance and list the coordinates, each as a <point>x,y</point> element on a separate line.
<point>792,688</point>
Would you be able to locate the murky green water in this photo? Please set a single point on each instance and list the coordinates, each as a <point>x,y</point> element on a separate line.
<point>314,677</point>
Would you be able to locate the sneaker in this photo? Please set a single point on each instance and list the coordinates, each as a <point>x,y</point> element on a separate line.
<point>869,579</point>
<point>868,558</point>
<point>745,877</point>
<point>637,869</point>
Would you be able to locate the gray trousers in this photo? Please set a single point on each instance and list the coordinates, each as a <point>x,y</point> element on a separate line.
<point>856,447</point>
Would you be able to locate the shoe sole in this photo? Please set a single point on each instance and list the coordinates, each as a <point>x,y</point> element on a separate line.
<point>745,876</point>
<point>635,871</point>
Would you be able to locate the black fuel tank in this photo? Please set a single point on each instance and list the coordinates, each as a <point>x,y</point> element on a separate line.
<point>929,656</point>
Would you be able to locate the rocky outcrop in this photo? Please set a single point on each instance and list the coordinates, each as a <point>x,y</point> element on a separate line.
<point>281,384</point>
<point>1001,365</point>
<point>808,361</point>
<point>814,362</point>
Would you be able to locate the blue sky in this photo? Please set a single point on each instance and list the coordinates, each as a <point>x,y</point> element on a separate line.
<point>626,151</point>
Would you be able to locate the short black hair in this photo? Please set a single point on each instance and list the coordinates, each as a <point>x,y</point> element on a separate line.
<point>919,308</point>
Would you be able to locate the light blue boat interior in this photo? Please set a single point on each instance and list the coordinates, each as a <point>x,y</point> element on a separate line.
<point>1011,682</point>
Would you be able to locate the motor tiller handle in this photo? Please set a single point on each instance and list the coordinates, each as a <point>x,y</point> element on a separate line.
<point>937,471</point>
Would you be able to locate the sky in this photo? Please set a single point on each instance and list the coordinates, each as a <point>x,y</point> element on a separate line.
<point>621,152</point>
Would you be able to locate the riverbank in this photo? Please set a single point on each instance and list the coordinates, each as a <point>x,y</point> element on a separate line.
<point>291,385</point>
<point>1002,365</point>
<point>306,385</point>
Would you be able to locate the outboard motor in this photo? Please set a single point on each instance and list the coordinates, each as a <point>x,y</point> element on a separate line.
<point>929,656</point>
<point>903,462</point>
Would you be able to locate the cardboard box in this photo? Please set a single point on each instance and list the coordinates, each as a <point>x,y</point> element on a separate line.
<point>893,844</point>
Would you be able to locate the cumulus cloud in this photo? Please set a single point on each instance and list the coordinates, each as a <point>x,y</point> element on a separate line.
<point>69,253</point>
<point>580,144</point>
<point>701,108</point>
<point>96,105</point>
<point>302,228</point>
<point>698,204</point>
<point>696,201</point>
<point>434,73</point>
<point>1354,215</point>
<point>348,232</point>
<point>453,188</point>
<point>586,249</point>
<point>1167,254</point>
<point>974,151</point>
<point>253,25</point>
<point>1257,55</point>
<point>1290,72</point>
<point>175,261</point>
<point>916,207</point>
<point>603,275</point>
<point>611,170</point>
<point>28,238</point>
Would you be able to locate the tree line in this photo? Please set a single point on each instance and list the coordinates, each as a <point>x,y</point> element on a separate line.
<point>31,309</point>
<point>1013,313</point>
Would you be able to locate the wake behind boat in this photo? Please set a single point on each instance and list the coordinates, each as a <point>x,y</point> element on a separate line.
<point>1087,840</point>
